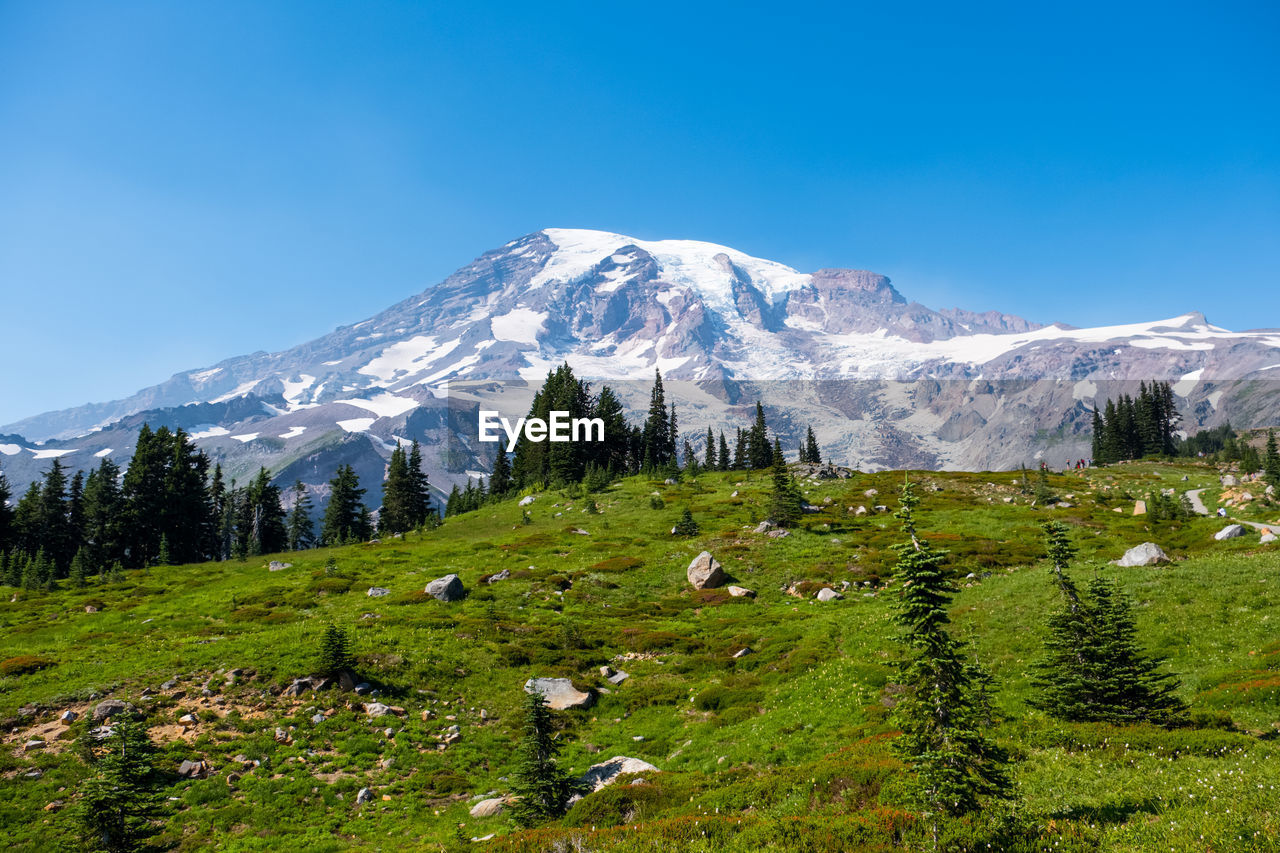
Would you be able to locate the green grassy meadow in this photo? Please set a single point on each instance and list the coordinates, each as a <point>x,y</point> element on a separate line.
<point>784,748</point>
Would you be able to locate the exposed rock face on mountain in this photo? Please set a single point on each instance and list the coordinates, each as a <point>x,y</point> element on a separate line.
<point>885,382</point>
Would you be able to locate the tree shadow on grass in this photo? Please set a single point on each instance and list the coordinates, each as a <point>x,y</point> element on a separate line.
<point>1116,811</point>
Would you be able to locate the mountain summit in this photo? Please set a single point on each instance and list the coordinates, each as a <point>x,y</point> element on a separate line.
<point>616,307</point>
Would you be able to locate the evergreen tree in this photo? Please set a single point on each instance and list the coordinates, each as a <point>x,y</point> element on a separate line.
<point>215,504</point>
<point>453,504</point>
<point>786,504</point>
<point>77,573</point>
<point>263,518</point>
<point>301,530</point>
<point>334,654</point>
<point>1093,669</point>
<point>397,496</point>
<point>740,452</point>
<point>658,440</point>
<point>541,787</point>
<point>144,496</point>
<point>612,454</point>
<point>1096,449</point>
<point>163,558</point>
<point>53,526</point>
<point>812,453</point>
<point>759,450</point>
<point>185,516</point>
<point>346,519</point>
<point>686,526</point>
<point>6,515</point>
<point>75,510</point>
<point>119,803</point>
<point>27,518</point>
<point>420,490</point>
<point>940,714</point>
<point>1130,686</point>
<point>724,459</point>
<point>712,461</point>
<point>1063,677</point>
<point>1271,461</point>
<point>500,479</point>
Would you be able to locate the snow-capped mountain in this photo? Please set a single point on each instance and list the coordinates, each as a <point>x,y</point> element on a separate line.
<point>884,381</point>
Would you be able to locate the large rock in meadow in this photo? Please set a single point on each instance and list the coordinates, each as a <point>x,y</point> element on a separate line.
<point>604,773</point>
<point>560,693</point>
<point>490,807</point>
<point>1146,554</point>
<point>111,708</point>
<point>705,572</point>
<point>447,588</point>
<point>1231,531</point>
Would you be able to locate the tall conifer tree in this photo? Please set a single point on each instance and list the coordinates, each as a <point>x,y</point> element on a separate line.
<point>953,763</point>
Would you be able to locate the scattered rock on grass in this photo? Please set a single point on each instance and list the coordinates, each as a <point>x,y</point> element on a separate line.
<point>1231,531</point>
<point>1146,554</point>
<point>705,572</point>
<point>828,594</point>
<point>604,773</point>
<point>377,592</point>
<point>447,588</point>
<point>490,807</point>
<point>560,693</point>
<point>111,708</point>
<point>741,592</point>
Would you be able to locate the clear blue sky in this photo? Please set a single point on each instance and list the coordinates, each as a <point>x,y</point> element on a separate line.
<point>183,182</point>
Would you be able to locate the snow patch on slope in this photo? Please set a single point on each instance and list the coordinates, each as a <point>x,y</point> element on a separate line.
<point>520,325</point>
<point>407,356</point>
<point>383,405</point>
<point>356,424</point>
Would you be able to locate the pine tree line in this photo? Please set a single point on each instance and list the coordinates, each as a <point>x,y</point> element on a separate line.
<point>168,508</point>
<point>1129,428</point>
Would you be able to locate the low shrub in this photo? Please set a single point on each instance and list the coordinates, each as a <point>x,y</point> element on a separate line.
<point>24,665</point>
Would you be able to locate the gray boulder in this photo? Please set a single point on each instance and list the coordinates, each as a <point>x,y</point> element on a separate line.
<point>447,588</point>
<point>705,572</point>
<point>765,526</point>
<point>377,592</point>
<point>1146,554</point>
<point>606,772</point>
<point>1268,535</point>
<point>526,500</point>
<point>193,769</point>
<point>741,592</point>
<point>828,594</point>
<point>111,708</point>
<point>365,796</point>
<point>499,576</point>
<point>277,566</point>
<point>1231,531</point>
<point>1230,481</point>
<point>560,693</point>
